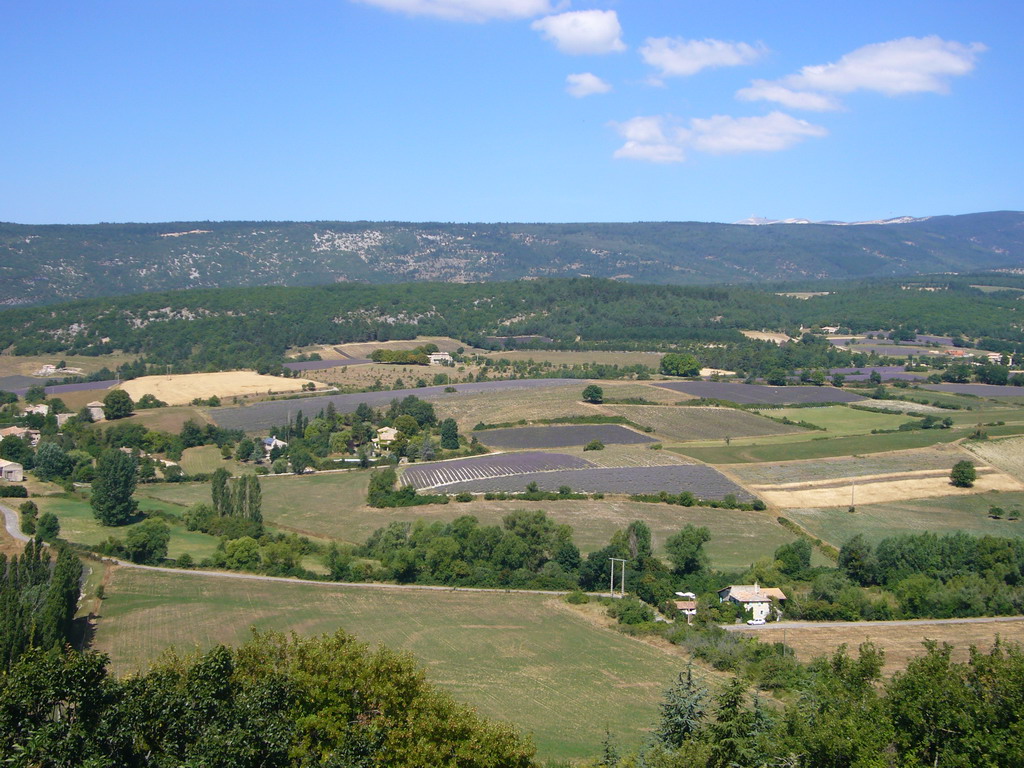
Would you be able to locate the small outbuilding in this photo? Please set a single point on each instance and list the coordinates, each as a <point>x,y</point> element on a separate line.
<point>95,409</point>
<point>755,599</point>
<point>440,358</point>
<point>11,471</point>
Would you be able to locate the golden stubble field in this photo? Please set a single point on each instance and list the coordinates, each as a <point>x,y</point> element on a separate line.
<point>878,489</point>
<point>184,388</point>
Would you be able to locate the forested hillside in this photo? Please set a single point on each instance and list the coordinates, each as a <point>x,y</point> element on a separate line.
<point>43,264</point>
<point>253,327</point>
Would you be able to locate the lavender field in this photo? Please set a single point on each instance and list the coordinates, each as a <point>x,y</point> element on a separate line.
<point>444,473</point>
<point>700,480</point>
<point>517,438</point>
<point>267,414</point>
<point>981,390</point>
<point>758,393</point>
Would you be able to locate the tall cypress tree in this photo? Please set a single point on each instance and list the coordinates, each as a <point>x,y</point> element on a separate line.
<point>220,492</point>
<point>683,711</point>
<point>254,509</point>
<point>113,486</point>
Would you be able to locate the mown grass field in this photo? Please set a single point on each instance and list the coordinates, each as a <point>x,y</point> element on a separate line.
<point>499,407</point>
<point>78,524</point>
<point>26,365</point>
<point>839,420</point>
<point>900,643</point>
<point>522,658</point>
<point>939,515</point>
<point>207,458</point>
<point>1006,454</point>
<point>170,419</point>
<point>683,423</point>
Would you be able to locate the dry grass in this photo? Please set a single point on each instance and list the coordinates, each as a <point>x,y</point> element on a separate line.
<point>901,486</point>
<point>778,338</point>
<point>901,643</point>
<point>627,456</point>
<point>1007,454</point>
<point>18,365</point>
<point>364,349</point>
<point>499,407</point>
<point>517,657</point>
<point>184,388</point>
<point>363,376</point>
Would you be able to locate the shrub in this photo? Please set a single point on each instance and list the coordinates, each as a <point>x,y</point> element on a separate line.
<point>13,491</point>
<point>577,597</point>
<point>463,497</point>
<point>594,445</point>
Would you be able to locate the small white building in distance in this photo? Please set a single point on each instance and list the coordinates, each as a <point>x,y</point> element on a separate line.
<point>687,605</point>
<point>11,471</point>
<point>440,358</point>
<point>95,409</point>
<point>42,409</point>
<point>385,437</point>
<point>757,600</point>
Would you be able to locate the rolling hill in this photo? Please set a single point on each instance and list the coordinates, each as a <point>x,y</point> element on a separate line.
<point>48,263</point>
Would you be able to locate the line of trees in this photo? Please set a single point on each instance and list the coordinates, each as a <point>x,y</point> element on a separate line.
<point>38,598</point>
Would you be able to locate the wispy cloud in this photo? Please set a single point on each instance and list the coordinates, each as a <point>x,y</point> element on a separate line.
<point>466,10</point>
<point>585,84</point>
<point>893,68</point>
<point>583,32</point>
<point>663,139</point>
<point>676,57</point>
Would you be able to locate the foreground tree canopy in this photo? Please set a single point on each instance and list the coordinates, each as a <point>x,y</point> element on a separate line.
<point>276,701</point>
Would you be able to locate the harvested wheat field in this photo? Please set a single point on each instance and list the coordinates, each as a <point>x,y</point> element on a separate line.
<point>877,489</point>
<point>183,389</point>
<point>901,641</point>
<point>364,349</point>
<point>1006,454</point>
<point>778,338</point>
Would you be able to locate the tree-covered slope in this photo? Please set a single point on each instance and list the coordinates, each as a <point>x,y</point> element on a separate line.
<point>42,264</point>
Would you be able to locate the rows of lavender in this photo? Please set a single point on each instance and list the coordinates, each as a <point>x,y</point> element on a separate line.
<point>503,465</point>
<point>757,393</point>
<point>700,480</point>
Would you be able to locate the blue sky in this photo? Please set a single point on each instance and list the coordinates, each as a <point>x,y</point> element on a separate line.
<point>518,110</point>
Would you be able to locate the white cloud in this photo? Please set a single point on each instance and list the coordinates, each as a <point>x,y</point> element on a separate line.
<point>893,68</point>
<point>583,32</point>
<point>723,134</point>
<point>660,139</point>
<point>466,10</point>
<point>676,57</point>
<point>765,90</point>
<point>646,139</point>
<point>585,84</point>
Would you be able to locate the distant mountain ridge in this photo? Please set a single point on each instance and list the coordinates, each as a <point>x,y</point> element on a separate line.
<point>755,220</point>
<point>47,263</point>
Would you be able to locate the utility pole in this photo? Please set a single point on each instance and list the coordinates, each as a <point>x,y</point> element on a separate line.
<point>622,581</point>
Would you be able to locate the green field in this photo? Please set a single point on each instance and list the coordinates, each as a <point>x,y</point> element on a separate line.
<point>527,659</point>
<point>939,515</point>
<point>170,419</point>
<point>839,420</point>
<point>79,525</point>
<point>332,506</point>
<point>825,447</point>
<point>207,459</point>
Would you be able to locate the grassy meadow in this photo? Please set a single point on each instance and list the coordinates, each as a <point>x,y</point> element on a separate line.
<point>527,659</point>
<point>939,515</point>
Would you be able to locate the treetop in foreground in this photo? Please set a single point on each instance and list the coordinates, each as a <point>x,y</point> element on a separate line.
<point>276,701</point>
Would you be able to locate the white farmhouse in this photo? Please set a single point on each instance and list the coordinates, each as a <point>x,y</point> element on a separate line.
<point>757,600</point>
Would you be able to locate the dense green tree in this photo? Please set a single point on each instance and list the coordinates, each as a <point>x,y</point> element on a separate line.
<point>112,489</point>
<point>147,542</point>
<point>52,463</point>
<point>117,405</point>
<point>963,474</point>
<point>683,710</point>
<point>243,451</point>
<point>794,557</point>
<point>48,527</point>
<point>299,459</point>
<point>592,393</point>
<point>449,434</point>
<point>679,364</point>
<point>686,550</point>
